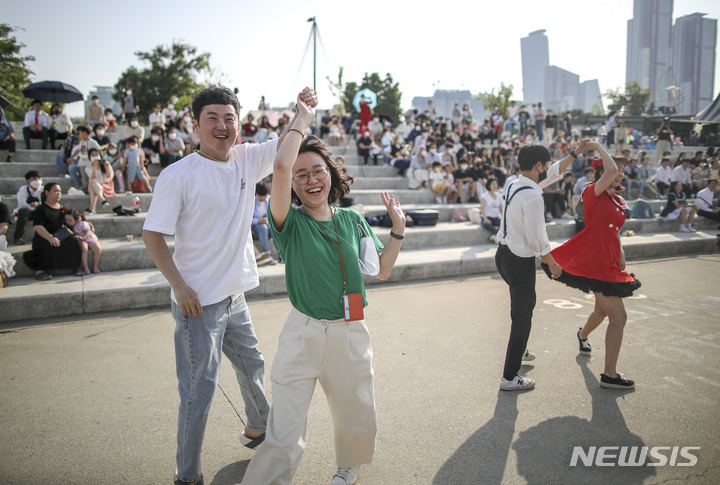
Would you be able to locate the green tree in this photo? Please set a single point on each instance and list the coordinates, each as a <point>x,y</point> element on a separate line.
<point>501,99</point>
<point>173,71</point>
<point>387,91</point>
<point>14,73</point>
<point>338,90</point>
<point>630,102</point>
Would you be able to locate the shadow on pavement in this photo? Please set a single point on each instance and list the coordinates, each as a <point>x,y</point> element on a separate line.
<point>543,451</point>
<point>482,458</point>
<point>231,474</point>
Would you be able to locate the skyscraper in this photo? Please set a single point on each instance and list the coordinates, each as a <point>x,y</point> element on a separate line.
<point>561,89</point>
<point>535,58</point>
<point>649,46</point>
<point>693,62</point>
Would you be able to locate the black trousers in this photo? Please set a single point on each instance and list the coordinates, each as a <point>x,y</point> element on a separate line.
<point>28,134</point>
<point>519,274</point>
<point>715,216</point>
<point>22,218</point>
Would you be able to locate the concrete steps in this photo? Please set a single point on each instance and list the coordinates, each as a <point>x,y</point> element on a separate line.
<point>28,299</point>
<point>130,280</point>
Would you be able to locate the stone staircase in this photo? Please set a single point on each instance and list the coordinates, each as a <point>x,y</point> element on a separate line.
<point>129,279</point>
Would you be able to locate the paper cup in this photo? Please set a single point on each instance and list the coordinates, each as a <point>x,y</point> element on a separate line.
<point>129,238</point>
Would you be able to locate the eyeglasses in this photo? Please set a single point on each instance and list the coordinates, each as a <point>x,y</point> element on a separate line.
<point>303,178</point>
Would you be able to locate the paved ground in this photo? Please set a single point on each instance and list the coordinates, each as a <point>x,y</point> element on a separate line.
<point>93,400</point>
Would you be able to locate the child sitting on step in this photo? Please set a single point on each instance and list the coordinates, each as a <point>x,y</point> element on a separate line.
<point>87,238</point>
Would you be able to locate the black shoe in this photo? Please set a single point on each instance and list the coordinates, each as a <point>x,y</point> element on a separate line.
<point>585,347</point>
<point>199,481</point>
<point>9,159</point>
<point>43,276</point>
<point>19,242</point>
<point>105,203</point>
<point>619,382</point>
<point>473,199</point>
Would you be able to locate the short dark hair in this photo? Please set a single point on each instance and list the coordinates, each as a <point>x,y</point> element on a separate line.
<point>132,138</point>
<point>83,128</point>
<point>339,182</point>
<point>260,189</point>
<point>588,170</point>
<point>47,188</point>
<point>36,101</point>
<point>214,95</point>
<point>72,212</point>
<point>31,174</point>
<point>529,155</point>
<point>489,181</point>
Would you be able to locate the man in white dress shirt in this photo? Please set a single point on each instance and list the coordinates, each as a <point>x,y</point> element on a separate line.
<point>522,238</point>
<point>37,124</point>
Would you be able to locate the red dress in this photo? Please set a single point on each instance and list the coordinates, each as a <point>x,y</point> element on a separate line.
<point>590,260</point>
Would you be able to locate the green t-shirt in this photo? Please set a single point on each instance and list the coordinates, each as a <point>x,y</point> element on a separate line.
<point>313,274</point>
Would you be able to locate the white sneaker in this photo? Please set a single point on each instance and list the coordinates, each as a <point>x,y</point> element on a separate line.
<point>528,355</point>
<point>548,215</point>
<point>345,476</point>
<point>567,216</point>
<point>684,228</point>
<point>494,238</point>
<point>692,229</point>
<point>519,383</point>
<point>438,199</point>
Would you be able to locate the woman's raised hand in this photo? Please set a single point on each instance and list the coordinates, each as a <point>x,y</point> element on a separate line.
<point>396,213</point>
<point>307,101</point>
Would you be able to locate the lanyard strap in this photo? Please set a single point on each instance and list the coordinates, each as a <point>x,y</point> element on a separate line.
<point>337,246</point>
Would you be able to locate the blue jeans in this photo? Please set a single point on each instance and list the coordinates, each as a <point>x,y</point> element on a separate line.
<point>492,224</point>
<point>60,162</point>
<point>226,327</point>
<point>74,171</point>
<point>539,128</point>
<point>263,234</point>
<point>134,172</point>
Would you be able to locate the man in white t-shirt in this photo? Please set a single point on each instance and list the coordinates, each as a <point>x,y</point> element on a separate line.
<point>206,201</point>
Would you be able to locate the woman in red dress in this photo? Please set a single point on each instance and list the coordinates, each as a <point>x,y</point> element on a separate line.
<point>365,113</point>
<point>594,261</point>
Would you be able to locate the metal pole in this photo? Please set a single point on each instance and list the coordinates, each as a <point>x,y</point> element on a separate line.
<point>314,52</point>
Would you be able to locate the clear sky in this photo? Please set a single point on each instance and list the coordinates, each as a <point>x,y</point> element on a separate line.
<point>260,46</point>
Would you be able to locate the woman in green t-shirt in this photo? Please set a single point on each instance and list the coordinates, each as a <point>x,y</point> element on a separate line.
<point>325,337</point>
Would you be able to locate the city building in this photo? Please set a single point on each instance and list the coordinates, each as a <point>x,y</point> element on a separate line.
<point>589,97</point>
<point>535,58</point>
<point>693,63</point>
<point>649,46</point>
<point>561,89</point>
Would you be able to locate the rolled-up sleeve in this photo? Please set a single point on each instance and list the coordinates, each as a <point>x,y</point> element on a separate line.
<point>536,235</point>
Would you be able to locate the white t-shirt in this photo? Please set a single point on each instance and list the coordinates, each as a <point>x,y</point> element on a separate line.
<point>492,206</point>
<point>208,206</point>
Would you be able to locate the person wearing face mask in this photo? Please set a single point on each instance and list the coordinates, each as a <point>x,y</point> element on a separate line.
<point>100,181</point>
<point>79,158</point>
<point>174,148</point>
<point>156,118</point>
<point>28,198</point>
<point>100,137</point>
<point>60,125</point>
<point>110,120</point>
<point>130,105</point>
<point>132,161</point>
<point>465,181</point>
<point>154,147</point>
<point>522,238</point>
<point>94,113</point>
<point>170,114</point>
<point>113,158</point>
<point>134,128</point>
<point>365,144</point>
